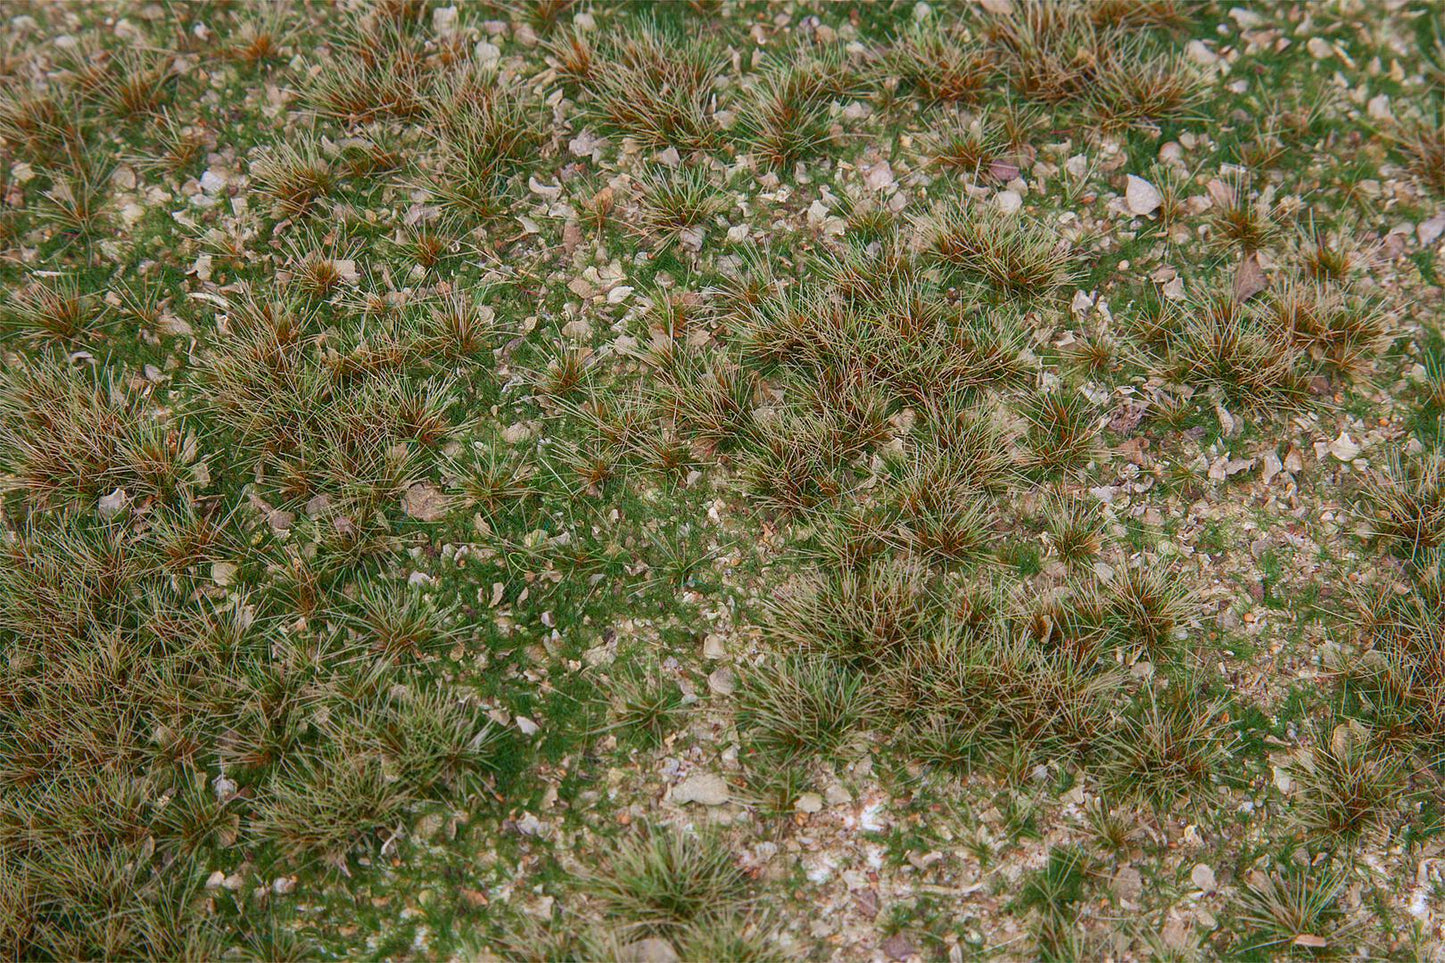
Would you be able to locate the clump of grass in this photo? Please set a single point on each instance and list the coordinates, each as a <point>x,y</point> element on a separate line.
<point>1053,893</point>
<point>1422,142</point>
<point>1063,432</point>
<point>1242,219</point>
<point>1407,502</point>
<point>318,269</point>
<point>525,938</point>
<point>940,515</point>
<point>1104,59</point>
<point>1333,326</point>
<point>967,145</point>
<point>1012,252</point>
<point>573,56</point>
<point>646,704</point>
<point>784,116</point>
<point>1050,52</point>
<point>1060,883</point>
<point>77,206</point>
<point>1114,829</point>
<point>1072,622</point>
<point>42,123</point>
<point>866,220</point>
<point>713,403</point>
<point>741,936</point>
<point>1095,351</point>
<point>137,82</point>
<point>994,693</point>
<point>177,146</point>
<point>1075,526</point>
<point>965,448</point>
<point>487,136</point>
<point>260,38</point>
<point>426,246</point>
<point>673,457</point>
<point>803,705</point>
<point>1434,388</point>
<point>1135,84</point>
<point>323,806</point>
<point>939,64</point>
<point>260,378</point>
<point>654,88</point>
<point>66,439</point>
<point>125,83</point>
<point>858,617</point>
<point>1170,743</point>
<point>297,177</point>
<point>1294,910</point>
<point>496,480</point>
<point>546,15</point>
<point>1348,782</point>
<point>1148,604</point>
<point>1139,13</point>
<point>1395,681</point>
<point>1222,345</point>
<point>376,70</point>
<point>674,202</point>
<point>440,742</point>
<point>399,621</point>
<point>666,880</point>
<point>1174,187</point>
<point>55,311</point>
<point>565,374</point>
<point>1333,256</point>
<point>798,463</point>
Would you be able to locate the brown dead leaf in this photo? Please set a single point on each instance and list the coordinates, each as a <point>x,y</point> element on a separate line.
<point>425,502</point>
<point>1003,170</point>
<point>571,237</point>
<point>1135,451</point>
<point>1220,193</point>
<point>1249,278</point>
<point>1127,418</point>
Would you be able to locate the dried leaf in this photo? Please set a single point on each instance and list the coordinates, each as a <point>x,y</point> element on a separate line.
<point>1249,278</point>
<point>425,502</point>
<point>1003,170</point>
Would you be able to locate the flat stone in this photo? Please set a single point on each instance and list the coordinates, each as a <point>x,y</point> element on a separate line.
<point>653,949</point>
<point>721,681</point>
<point>1141,196</point>
<point>898,947</point>
<point>1128,884</point>
<point>1202,875</point>
<point>707,788</point>
<point>809,802</point>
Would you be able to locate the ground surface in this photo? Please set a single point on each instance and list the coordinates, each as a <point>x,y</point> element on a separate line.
<point>722,480</point>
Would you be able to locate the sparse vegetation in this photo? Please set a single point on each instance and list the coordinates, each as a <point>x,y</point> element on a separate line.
<point>720,481</point>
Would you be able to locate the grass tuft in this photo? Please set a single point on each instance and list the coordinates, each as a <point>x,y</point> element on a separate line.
<point>1013,253</point>
<point>665,880</point>
<point>1294,911</point>
<point>1171,743</point>
<point>1349,782</point>
<point>296,177</point>
<point>803,706</point>
<point>54,311</point>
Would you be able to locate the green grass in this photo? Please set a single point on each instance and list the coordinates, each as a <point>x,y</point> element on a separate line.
<point>425,433</point>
